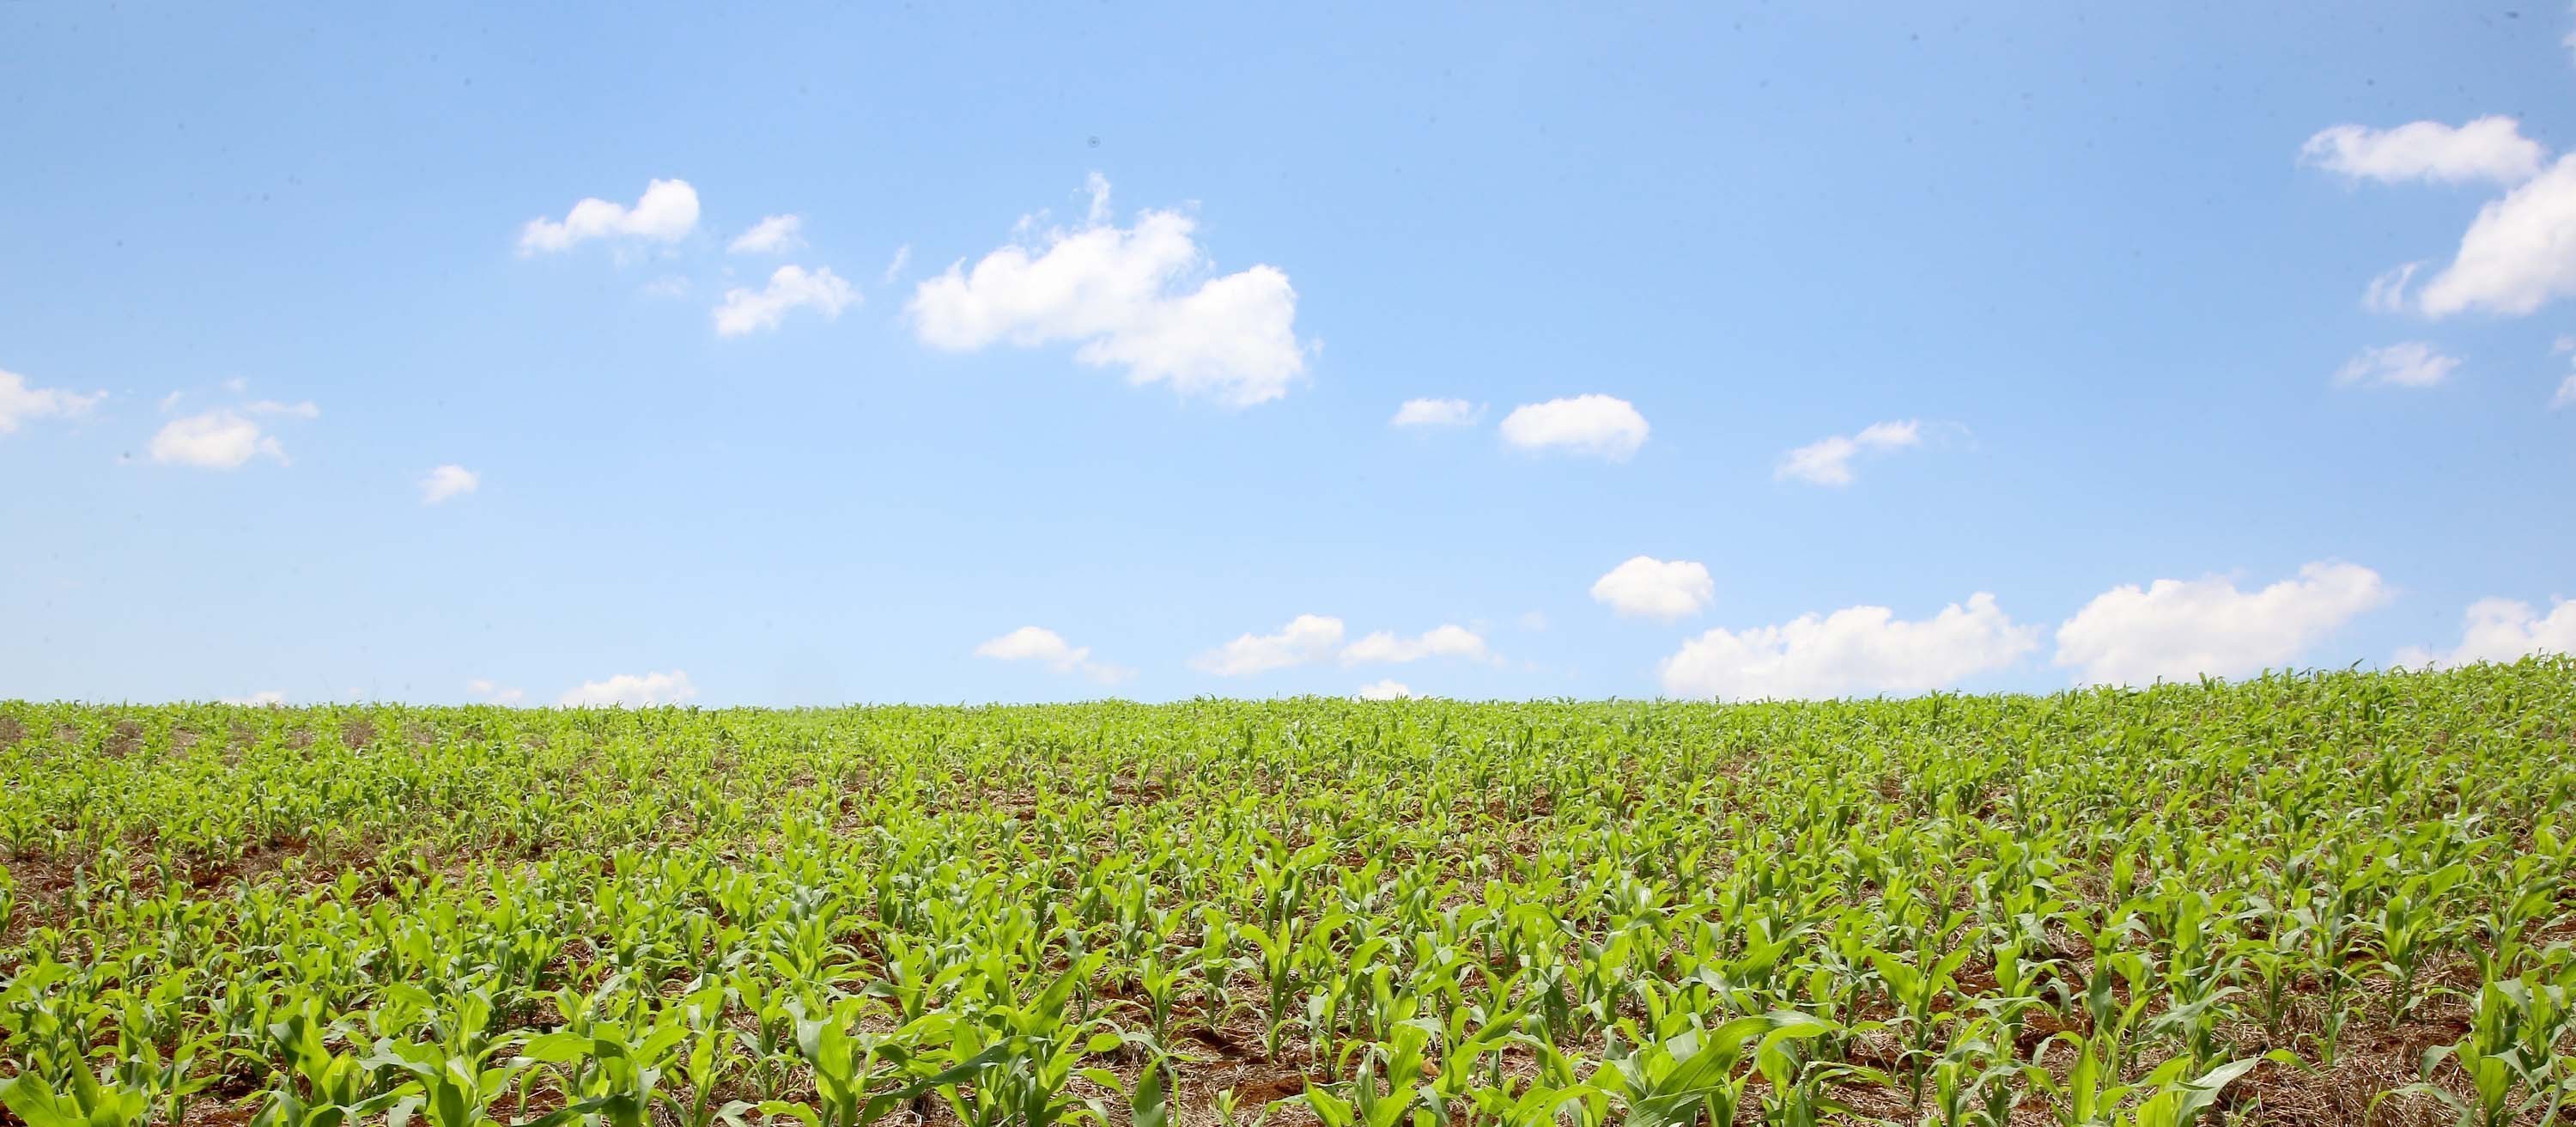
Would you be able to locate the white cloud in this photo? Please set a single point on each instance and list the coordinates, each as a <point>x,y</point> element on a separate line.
<point>747,310</point>
<point>1598,425</point>
<point>493,692</point>
<point>667,212</point>
<point>19,401</point>
<point>1853,651</point>
<point>1828,461</point>
<point>268,698</point>
<point>2408,364</point>
<point>1439,641</point>
<point>2387,292</point>
<point>2179,629</point>
<point>448,481</point>
<point>1033,643</point>
<point>2518,255</point>
<point>1389,689</point>
<point>1308,638</point>
<point>221,439</point>
<point>668,285</point>
<point>776,234</point>
<point>2566,396</point>
<point>628,690</point>
<point>894,267</point>
<point>1646,587</point>
<point>1533,620</point>
<point>2489,148</point>
<point>1433,413</point>
<point>2502,630</point>
<point>1127,297</point>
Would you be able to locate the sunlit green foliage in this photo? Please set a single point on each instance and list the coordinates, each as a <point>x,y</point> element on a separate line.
<point>2191,904</point>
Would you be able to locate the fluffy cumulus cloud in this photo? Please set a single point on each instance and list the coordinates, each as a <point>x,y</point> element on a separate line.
<point>1596,425</point>
<point>226,437</point>
<point>1828,461</point>
<point>1433,413</point>
<point>2178,629</point>
<point>1853,651</point>
<point>19,401</point>
<point>776,234</point>
<point>2408,364</point>
<point>266,698</point>
<point>1046,647</point>
<point>2518,255</point>
<point>2502,630</point>
<point>1307,638</point>
<point>448,481</point>
<point>1146,299</point>
<point>666,213</point>
<point>792,287</point>
<point>631,690</point>
<point>1646,587</point>
<point>1389,689</point>
<point>1439,641</point>
<point>2489,148</point>
<point>2520,252</point>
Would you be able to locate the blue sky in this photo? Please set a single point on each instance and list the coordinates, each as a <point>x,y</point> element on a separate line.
<point>1900,344</point>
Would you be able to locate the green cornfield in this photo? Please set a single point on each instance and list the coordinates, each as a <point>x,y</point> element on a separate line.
<point>2320,898</point>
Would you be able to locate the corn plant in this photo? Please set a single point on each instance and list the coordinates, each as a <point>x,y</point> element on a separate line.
<point>2512,1056</point>
<point>1549,912</point>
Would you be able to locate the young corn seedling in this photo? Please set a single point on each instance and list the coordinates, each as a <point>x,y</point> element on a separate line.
<point>1686,1071</point>
<point>616,1078</point>
<point>2274,964</point>
<point>89,1100</point>
<point>1022,1057</point>
<point>2177,1099</point>
<point>323,1087</point>
<point>2511,1056</point>
<point>1918,993</point>
<point>2411,929</point>
<point>1797,1091</point>
<point>703,1060</point>
<point>861,1077</point>
<point>449,1088</point>
<point>1400,1101</point>
<point>1974,1081</point>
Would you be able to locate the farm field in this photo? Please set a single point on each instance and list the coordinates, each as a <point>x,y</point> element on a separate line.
<point>2330,898</point>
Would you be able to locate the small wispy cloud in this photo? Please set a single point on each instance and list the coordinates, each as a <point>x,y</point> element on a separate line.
<point>20,402</point>
<point>746,310</point>
<point>1828,461</point>
<point>1600,426</point>
<point>1046,647</point>
<point>448,481</point>
<point>2406,364</point>
<point>1434,413</point>
<point>776,234</point>
<point>667,212</point>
